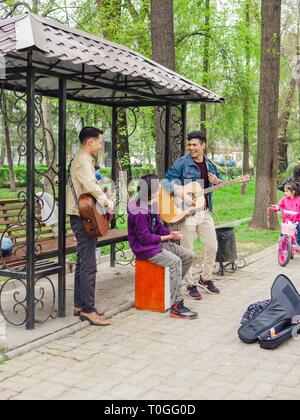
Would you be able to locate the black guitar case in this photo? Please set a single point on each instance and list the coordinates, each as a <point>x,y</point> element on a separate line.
<point>278,322</point>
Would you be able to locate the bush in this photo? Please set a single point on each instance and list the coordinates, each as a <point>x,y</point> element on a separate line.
<point>20,174</point>
<point>4,176</point>
<point>234,172</point>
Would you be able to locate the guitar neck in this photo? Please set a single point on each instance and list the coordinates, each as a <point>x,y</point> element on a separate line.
<point>222,185</point>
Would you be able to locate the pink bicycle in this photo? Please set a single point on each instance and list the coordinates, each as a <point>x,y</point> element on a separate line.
<point>288,246</point>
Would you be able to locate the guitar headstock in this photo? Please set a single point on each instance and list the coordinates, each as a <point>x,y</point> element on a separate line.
<point>244,179</point>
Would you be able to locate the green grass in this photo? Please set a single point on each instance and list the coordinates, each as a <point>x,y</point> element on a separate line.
<point>6,193</point>
<point>229,206</point>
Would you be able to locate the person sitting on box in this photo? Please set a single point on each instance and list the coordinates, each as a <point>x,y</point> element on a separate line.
<point>150,240</point>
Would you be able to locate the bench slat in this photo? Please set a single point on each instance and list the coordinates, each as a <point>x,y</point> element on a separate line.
<point>48,242</point>
<point>50,246</point>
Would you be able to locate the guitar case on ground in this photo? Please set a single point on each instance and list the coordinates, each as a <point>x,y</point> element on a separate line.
<point>279,321</point>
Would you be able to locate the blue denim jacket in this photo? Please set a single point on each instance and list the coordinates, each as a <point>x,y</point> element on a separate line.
<point>185,171</point>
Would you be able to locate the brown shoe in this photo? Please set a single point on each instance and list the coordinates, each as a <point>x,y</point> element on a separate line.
<point>94,319</point>
<point>76,312</point>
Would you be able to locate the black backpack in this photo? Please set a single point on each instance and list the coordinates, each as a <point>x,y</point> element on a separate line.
<point>279,321</point>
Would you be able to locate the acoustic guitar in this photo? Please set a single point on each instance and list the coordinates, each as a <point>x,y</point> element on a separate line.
<point>173,209</point>
<point>95,218</point>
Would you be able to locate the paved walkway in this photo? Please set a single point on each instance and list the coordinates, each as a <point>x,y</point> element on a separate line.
<point>151,356</point>
<point>114,291</point>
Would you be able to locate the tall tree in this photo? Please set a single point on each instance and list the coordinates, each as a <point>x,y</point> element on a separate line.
<point>284,118</point>
<point>266,180</point>
<point>6,111</point>
<point>206,62</point>
<point>246,99</point>
<point>35,6</point>
<point>163,51</point>
<point>111,10</point>
<point>2,153</point>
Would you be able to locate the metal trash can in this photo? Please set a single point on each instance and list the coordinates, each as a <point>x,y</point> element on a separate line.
<point>227,251</point>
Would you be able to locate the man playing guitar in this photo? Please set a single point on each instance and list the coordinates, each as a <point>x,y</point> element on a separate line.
<point>190,168</point>
<point>82,174</point>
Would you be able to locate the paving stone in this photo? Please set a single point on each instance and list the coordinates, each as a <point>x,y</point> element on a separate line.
<point>67,379</point>
<point>78,395</point>
<point>146,355</point>
<point>18,383</point>
<point>7,395</point>
<point>26,396</point>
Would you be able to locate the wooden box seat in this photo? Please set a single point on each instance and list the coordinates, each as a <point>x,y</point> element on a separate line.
<point>152,287</point>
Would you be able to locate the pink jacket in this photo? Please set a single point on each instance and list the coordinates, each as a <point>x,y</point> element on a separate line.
<point>290,204</point>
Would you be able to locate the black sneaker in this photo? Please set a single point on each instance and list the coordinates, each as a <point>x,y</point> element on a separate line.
<point>193,293</point>
<point>180,311</point>
<point>208,286</point>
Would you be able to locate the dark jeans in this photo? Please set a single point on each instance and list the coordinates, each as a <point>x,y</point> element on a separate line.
<point>86,268</point>
<point>298,234</point>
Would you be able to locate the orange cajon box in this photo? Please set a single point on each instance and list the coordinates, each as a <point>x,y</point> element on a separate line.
<point>152,287</point>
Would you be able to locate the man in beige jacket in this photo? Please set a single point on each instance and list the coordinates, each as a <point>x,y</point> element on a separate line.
<point>82,173</point>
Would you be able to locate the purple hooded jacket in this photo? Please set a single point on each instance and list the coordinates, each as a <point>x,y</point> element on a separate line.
<point>145,230</point>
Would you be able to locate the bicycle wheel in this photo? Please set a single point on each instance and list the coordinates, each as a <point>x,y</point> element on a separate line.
<point>285,251</point>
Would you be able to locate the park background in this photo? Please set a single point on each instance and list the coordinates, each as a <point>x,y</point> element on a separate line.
<point>216,43</point>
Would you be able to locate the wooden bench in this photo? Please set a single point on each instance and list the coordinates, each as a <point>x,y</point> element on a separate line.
<point>13,224</point>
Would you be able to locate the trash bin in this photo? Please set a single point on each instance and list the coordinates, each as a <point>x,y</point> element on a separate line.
<point>227,251</point>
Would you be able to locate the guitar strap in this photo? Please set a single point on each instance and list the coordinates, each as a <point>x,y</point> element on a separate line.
<point>73,188</point>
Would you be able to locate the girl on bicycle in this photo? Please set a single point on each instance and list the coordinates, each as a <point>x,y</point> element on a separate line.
<point>289,205</point>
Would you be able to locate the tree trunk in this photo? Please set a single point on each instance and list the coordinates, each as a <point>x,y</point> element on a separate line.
<point>12,179</point>
<point>82,119</point>
<point>163,51</point>
<point>35,6</point>
<point>267,147</point>
<point>205,64</point>
<point>3,153</point>
<point>123,154</point>
<point>283,127</point>
<point>246,104</point>
<point>246,146</point>
<point>112,11</point>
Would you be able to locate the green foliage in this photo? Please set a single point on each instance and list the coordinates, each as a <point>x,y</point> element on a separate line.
<point>127,22</point>
<point>20,174</point>
<point>137,172</point>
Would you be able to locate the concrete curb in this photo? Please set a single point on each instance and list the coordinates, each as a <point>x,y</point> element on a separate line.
<point>235,223</point>
<point>60,334</point>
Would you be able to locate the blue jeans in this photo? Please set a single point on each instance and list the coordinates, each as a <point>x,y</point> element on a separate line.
<point>298,234</point>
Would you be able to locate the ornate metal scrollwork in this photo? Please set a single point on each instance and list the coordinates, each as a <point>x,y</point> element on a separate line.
<point>123,255</point>
<point>44,309</point>
<point>230,267</point>
<point>177,134</point>
<point>13,292</point>
<point>13,301</point>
